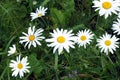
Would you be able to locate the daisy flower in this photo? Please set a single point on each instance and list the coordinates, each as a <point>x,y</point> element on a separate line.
<point>61,39</point>
<point>12,50</point>
<point>116,27</point>
<point>84,37</point>
<point>106,7</point>
<point>20,66</point>
<point>39,13</point>
<point>107,43</point>
<point>32,37</point>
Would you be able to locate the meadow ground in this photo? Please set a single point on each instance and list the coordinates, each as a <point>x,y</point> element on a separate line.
<point>59,39</point>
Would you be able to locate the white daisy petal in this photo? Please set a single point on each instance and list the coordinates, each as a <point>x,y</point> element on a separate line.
<point>19,67</point>
<point>61,39</point>
<point>84,37</point>
<point>107,43</point>
<point>38,13</point>
<point>12,50</point>
<point>116,26</point>
<point>107,7</point>
<point>33,37</point>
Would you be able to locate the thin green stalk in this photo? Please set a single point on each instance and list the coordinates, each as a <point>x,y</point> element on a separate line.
<point>27,75</point>
<point>56,65</point>
<point>110,60</point>
<point>3,73</point>
<point>44,21</point>
<point>102,62</point>
<point>8,70</point>
<point>98,18</point>
<point>4,8</point>
<point>7,46</point>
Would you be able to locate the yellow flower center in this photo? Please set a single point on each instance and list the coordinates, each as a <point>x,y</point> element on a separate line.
<point>106,5</point>
<point>83,38</point>
<point>20,66</point>
<point>61,39</point>
<point>31,37</point>
<point>107,42</point>
<point>39,15</point>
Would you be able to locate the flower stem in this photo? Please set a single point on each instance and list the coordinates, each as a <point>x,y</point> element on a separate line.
<point>110,60</point>
<point>56,66</point>
<point>1,76</point>
<point>8,69</point>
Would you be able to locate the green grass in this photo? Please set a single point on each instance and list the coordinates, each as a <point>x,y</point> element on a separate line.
<point>75,15</point>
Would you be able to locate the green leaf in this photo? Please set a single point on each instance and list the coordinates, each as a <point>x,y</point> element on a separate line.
<point>62,15</point>
<point>67,5</point>
<point>57,16</point>
<point>103,63</point>
<point>35,64</point>
<point>78,27</point>
<point>44,2</point>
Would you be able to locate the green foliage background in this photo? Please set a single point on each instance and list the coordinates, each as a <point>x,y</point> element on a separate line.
<point>89,63</point>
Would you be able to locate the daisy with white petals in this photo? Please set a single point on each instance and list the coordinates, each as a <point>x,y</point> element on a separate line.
<point>20,66</point>
<point>107,7</point>
<point>32,37</point>
<point>61,39</point>
<point>84,37</point>
<point>107,43</point>
<point>39,13</point>
<point>12,50</point>
<point>116,27</point>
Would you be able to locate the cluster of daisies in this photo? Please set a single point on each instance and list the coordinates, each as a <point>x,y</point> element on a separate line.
<point>62,39</point>
<point>106,8</point>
